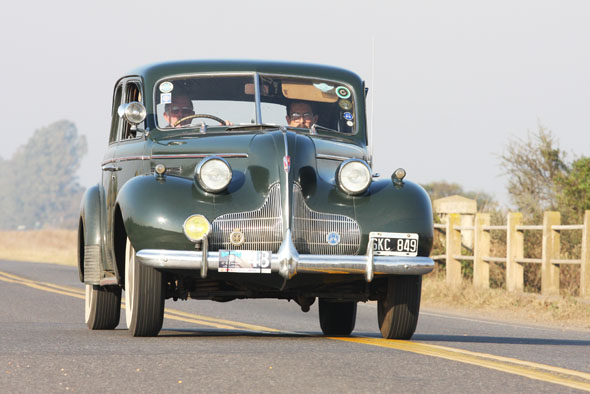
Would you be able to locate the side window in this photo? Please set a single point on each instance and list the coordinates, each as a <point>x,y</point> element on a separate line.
<point>116,120</point>
<point>132,93</point>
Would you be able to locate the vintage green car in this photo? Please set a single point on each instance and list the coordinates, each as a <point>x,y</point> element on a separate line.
<point>227,180</point>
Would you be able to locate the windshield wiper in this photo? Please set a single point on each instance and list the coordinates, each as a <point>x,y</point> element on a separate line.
<point>315,127</point>
<point>254,126</point>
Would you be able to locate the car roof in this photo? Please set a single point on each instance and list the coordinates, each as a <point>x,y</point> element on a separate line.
<point>153,72</point>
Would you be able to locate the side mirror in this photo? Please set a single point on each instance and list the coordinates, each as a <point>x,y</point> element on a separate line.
<point>133,112</point>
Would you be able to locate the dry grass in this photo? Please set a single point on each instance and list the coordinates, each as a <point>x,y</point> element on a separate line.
<point>566,312</point>
<point>45,246</point>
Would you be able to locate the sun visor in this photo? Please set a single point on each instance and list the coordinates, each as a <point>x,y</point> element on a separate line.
<point>309,92</point>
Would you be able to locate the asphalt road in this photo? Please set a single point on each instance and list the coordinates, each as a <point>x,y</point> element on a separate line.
<point>266,346</point>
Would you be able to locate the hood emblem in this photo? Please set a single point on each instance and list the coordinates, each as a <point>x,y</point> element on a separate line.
<point>333,238</point>
<point>236,238</point>
<point>287,163</point>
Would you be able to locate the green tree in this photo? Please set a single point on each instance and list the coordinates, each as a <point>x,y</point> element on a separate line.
<point>40,188</point>
<point>574,186</point>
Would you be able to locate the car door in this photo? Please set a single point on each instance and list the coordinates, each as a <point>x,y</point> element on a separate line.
<point>109,177</point>
<point>125,156</point>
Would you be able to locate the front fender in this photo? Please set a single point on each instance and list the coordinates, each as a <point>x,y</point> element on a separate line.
<point>90,251</point>
<point>153,210</point>
<point>404,208</point>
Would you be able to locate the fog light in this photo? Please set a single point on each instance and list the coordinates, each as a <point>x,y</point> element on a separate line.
<point>196,227</point>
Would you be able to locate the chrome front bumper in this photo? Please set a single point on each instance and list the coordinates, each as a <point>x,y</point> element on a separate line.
<point>287,262</point>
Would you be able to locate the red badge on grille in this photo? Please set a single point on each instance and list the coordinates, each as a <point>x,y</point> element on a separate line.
<point>287,163</point>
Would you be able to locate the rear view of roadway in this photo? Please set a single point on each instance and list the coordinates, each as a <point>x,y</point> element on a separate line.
<point>266,346</point>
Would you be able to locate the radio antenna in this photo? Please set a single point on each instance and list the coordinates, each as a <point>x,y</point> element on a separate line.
<point>372,99</point>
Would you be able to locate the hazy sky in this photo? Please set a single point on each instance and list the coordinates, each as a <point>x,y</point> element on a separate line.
<point>451,82</point>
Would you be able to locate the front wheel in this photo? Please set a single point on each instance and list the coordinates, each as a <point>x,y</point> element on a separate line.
<point>102,307</point>
<point>398,311</point>
<point>144,296</point>
<point>337,318</point>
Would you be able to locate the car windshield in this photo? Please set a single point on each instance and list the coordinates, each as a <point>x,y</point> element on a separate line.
<point>187,102</point>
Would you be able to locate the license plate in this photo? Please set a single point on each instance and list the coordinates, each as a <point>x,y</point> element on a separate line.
<point>244,261</point>
<point>394,244</point>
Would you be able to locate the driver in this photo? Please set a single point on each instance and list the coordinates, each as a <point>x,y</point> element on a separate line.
<point>180,107</point>
<point>301,114</point>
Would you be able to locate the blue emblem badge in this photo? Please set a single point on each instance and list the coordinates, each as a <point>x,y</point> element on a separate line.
<point>333,238</point>
<point>347,115</point>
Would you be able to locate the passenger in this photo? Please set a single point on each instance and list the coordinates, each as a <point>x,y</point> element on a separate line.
<point>300,114</point>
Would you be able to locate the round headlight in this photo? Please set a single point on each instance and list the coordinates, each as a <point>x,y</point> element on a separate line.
<point>353,176</point>
<point>135,112</point>
<point>213,174</point>
<point>196,227</point>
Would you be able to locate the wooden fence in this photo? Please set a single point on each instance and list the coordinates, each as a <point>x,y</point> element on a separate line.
<point>550,256</point>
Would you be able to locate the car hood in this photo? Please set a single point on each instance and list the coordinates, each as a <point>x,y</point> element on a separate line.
<point>242,143</point>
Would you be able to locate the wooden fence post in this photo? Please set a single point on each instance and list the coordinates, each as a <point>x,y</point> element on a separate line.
<point>453,248</point>
<point>585,268</point>
<point>514,251</point>
<point>550,272</point>
<point>481,249</point>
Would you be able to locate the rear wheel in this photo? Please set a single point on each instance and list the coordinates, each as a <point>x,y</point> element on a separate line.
<point>397,313</point>
<point>102,307</point>
<point>337,318</point>
<point>144,296</point>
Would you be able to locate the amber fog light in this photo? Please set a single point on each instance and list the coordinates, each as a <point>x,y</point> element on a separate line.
<point>213,173</point>
<point>196,227</point>
<point>353,176</point>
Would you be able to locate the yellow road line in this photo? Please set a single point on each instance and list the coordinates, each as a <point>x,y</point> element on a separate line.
<point>546,373</point>
<point>48,284</point>
<point>38,285</point>
<point>246,326</point>
<point>170,313</point>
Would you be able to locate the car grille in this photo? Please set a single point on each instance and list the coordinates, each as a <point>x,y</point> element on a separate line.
<point>263,228</point>
<point>311,228</point>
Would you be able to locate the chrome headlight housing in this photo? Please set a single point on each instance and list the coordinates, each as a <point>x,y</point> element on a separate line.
<point>134,112</point>
<point>213,174</point>
<point>353,176</point>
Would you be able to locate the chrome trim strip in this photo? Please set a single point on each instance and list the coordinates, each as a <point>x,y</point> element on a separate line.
<point>287,209</point>
<point>199,155</point>
<point>289,266</point>
<point>332,157</point>
<point>176,156</point>
<point>125,158</point>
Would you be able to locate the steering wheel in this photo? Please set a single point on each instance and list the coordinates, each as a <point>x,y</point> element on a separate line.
<point>193,116</point>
